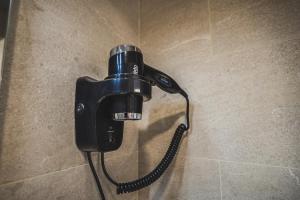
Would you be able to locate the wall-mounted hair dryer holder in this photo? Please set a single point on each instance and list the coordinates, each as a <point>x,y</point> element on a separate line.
<point>96,130</point>
<point>101,107</point>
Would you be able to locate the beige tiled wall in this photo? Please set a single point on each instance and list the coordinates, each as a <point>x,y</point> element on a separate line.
<point>239,62</point>
<point>51,44</point>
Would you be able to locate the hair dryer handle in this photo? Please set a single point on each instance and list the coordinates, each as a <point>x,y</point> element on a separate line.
<point>162,80</point>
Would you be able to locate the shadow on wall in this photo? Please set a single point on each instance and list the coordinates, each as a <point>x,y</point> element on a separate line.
<point>153,143</point>
<point>4,7</point>
<point>6,70</point>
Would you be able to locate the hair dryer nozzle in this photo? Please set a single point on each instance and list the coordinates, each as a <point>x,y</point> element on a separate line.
<point>127,107</point>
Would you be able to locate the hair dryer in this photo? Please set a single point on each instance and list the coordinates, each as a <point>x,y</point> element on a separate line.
<point>101,107</point>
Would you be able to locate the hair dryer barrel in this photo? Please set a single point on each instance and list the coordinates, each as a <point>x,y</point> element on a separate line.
<point>126,61</point>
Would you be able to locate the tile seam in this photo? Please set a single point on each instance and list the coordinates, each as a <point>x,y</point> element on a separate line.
<point>209,27</point>
<point>139,23</point>
<point>220,176</point>
<point>246,163</point>
<point>41,175</point>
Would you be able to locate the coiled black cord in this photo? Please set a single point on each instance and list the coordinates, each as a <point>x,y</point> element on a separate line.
<point>156,173</point>
<point>160,168</point>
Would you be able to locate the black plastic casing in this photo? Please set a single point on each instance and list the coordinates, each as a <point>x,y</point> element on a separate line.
<point>99,104</point>
<point>128,64</point>
<point>124,90</point>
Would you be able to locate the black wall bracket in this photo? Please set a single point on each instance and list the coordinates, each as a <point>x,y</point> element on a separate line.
<point>95,128</point>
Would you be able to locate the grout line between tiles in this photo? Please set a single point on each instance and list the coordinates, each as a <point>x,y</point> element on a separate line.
<point>247,163</point>
<point>242,10</point>
<point>220,176</point>
<point>178,44</point>
<point>42,175</point>
<point>139,23</point>
<point>209,27</point>
<point>294,176</point>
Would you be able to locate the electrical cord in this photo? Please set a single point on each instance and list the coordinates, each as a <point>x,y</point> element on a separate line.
<point>95,175</point>
<point>187,112</point>
<point>156,173</point>
<point>160,168</point>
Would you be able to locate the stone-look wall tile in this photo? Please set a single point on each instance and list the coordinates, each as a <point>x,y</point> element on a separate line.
<point>75,183</point>
<point>241,181</point>
<point>119,19</point>
<point>179,54</point>
<point>242,76</point>
<point>168,24</point>
<point>186,179</point>
<point>123,18</point>
<point>247,108</point>
<point>173,34</point>
<point>53,43</point>
<point>245,103</point>
<point>238,24</point>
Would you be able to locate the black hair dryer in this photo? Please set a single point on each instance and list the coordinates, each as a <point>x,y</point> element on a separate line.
<point>101,107</point>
